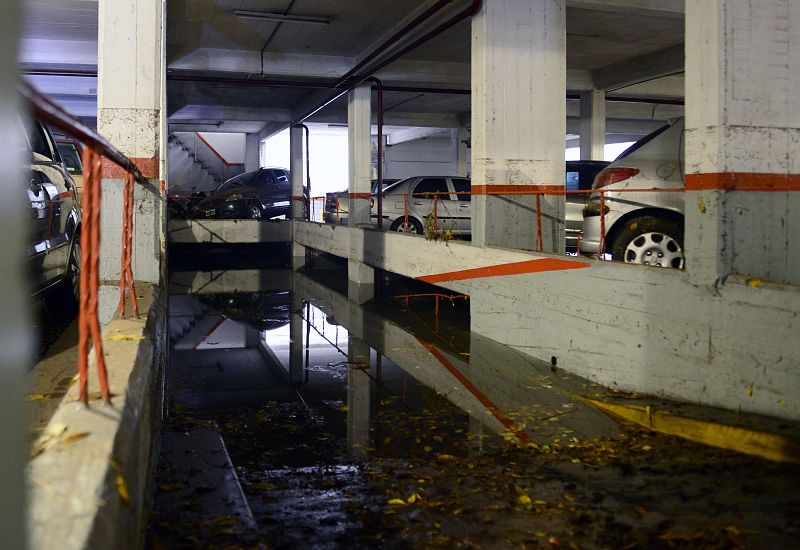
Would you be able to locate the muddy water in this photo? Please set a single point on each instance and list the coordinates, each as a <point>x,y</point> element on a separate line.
<point>298,419</point>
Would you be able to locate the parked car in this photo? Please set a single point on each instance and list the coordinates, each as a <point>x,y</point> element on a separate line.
<point>54,253</point>
<point>641,227</point>
<point>337,206</point>
<point>454,211</point>
<point>263,194</point>
<point>417,194</point>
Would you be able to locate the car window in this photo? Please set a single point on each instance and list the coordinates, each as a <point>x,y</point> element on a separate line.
<point>463,187</point>
<point>429,187</point>
<point>573,181</point>
<point>280,175</point>
<point>38,140</point>
<point>72,158</point>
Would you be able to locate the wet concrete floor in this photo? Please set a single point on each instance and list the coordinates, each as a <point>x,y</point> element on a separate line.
<point>295,419</point>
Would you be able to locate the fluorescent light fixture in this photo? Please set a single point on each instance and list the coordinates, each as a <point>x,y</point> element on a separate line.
<point>312,20</point>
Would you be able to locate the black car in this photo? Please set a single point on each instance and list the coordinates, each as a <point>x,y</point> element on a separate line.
<point>54,253</point>
<point>263,194</point>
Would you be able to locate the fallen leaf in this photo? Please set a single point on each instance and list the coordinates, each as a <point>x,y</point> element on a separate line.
<point>397,502</point>
<point>525,500</point>
<point>122,487</point>
<point>125,337</point>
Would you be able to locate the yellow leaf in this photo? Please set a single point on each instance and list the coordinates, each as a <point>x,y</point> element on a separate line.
<point>387,440</point>
<point>73,437</point>
<point>539,502</point>
<point>397,502</point>
<point>343,408</point>
<point>445,457</point>
<point>414,498</point>
<point>126,337</point>
<point>525,500</point>
<point>750,390</point>
<point>37,396</point>
<point>569,497</point>
<point>122,487</point>
<point>438,438</point>
<point>427,448</point>
<point>520,490</point>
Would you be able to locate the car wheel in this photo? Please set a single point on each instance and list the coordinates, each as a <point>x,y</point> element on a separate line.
<point>65,296</point>
<point>413,226</point>
<point>648,240</point>
<point>255,212</point>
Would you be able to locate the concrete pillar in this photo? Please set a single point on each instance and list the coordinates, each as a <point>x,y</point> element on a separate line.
<point>742,134</point>
<point>130,97</point>
<point>361,277</point>
<point>15,340</point>
<point>360,154</point>
<point>518,121</point>
<point>460,151</point>
<point>297,169</point>
<point>358,397</point>
<point>252,153</point>
<point>593,125</point>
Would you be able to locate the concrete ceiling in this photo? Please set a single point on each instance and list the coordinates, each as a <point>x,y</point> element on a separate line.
<point>631,48</point>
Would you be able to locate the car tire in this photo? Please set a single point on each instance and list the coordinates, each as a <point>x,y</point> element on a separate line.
<point>255,212</point>
<point>66,294</point>
<point>649,240</point>
<point>414,227</point>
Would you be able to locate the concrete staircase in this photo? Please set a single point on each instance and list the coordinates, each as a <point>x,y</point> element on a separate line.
<point>187,173</point>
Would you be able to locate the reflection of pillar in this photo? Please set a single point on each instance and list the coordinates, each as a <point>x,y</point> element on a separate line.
<point>296,365</point>
<point>358,385</point>
<point>476,433</point>
<point>14,302</point>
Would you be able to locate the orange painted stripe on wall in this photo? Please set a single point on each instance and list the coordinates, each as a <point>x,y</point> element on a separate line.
<point>479,395</point>
<point>743,181</point>
<point>516,268</point>
<point>516,189</point>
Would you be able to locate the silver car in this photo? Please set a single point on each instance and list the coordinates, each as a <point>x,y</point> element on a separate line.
<point>641,227</point>
<point>417,196</point>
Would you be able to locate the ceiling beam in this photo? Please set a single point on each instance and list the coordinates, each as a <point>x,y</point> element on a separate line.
<point>410,134</point>
<point>643,68</point>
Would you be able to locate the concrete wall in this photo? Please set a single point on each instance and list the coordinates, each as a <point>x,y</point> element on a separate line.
<point>632,327</point>
<point>431,156</point>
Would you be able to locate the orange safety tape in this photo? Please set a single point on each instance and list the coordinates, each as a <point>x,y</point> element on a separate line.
<point>359,195</point>
<point>743,181</point>
<point>516,268</point>
<point>149,167</point>
<point>518,189</point>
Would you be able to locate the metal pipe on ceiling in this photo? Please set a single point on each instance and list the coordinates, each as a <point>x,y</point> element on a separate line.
<point>353,81</point>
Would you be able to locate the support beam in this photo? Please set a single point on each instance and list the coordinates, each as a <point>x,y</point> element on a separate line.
<point>298,172</point>
<point>742,131</point>
<point>593,125</point>
<point>130,99</point>
<point>251,153</point>
<point>666,62</point>
<point>410,134</point>
<point>518,122</point>
<point>460,139</point>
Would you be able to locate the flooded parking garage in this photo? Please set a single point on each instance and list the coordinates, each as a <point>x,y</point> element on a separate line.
<point>296,417</point>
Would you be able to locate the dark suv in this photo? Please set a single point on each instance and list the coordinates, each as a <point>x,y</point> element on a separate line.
<point>263,194</point>
<point>54,253</point>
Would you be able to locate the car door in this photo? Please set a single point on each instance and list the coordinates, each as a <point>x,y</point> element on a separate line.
<point>574,207</point>
<point>463,215</point>
<point>425,193</point>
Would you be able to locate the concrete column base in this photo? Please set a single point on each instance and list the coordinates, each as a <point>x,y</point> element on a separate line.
<point>361,282</point>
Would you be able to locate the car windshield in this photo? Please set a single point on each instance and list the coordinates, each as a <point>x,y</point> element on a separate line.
<point>238,181</point>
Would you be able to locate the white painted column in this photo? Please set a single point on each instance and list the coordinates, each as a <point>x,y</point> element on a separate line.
<point>130,94</point>
<point>297,169</point>
<point>593,125</point>
<point>742,132</point>
<point>359,156</point>
<point>358,397</point>
<point>518,121</point>
<point>252,159</point>
<point>460,151</point>
<point>15,337</point>
<point>297,370</point>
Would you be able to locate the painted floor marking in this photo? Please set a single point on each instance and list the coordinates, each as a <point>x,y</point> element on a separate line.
<point>516,268</point>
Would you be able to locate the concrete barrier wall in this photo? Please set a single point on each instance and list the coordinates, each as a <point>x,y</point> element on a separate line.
<point>89,484</point>
<point>632,327</point>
